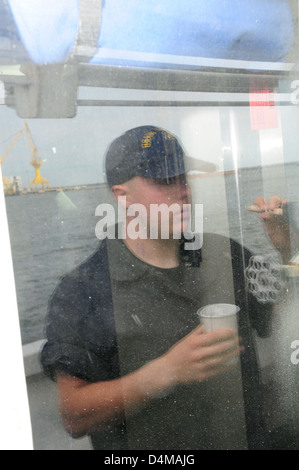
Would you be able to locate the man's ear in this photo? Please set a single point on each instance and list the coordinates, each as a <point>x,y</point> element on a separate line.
<point>120,193</point>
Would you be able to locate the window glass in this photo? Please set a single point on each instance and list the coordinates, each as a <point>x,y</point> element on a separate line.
<point>99,307</point>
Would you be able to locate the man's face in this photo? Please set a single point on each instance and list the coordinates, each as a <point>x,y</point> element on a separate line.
<point>152,193</point>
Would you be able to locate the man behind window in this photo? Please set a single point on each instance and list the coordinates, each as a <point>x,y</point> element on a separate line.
<point>134,369</point>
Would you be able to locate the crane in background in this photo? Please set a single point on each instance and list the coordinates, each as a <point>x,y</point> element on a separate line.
<point>9,186</point>
<point>36,162</point>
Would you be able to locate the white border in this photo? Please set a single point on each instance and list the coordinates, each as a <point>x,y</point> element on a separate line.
<point>16,433</point>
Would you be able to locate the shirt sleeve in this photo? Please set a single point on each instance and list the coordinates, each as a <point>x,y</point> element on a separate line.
<point>78,341</point>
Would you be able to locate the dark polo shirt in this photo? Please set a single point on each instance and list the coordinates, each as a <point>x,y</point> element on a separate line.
<point>114,313</point>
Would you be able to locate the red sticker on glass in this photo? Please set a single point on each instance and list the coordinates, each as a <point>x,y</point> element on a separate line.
<point>263,113</point>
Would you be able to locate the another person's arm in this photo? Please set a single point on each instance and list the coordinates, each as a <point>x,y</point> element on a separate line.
<point>277,230</point>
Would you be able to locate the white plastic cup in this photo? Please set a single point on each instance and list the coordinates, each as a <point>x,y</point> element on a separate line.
<point>216,316</point>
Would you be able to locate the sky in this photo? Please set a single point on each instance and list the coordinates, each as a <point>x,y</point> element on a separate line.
<point>73,149</point>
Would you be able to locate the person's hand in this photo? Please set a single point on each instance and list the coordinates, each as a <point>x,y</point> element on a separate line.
<point>199,355</point>
<point>270,211</point>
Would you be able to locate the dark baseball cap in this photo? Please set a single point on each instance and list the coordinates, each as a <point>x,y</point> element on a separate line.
<point>147,151</point>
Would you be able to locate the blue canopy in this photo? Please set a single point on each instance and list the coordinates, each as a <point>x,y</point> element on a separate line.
<point>152,32</point>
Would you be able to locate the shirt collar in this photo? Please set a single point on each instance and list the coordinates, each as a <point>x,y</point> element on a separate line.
<point>123,264</point>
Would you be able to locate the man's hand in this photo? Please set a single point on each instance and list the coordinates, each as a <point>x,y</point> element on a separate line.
<point>199,355</point>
